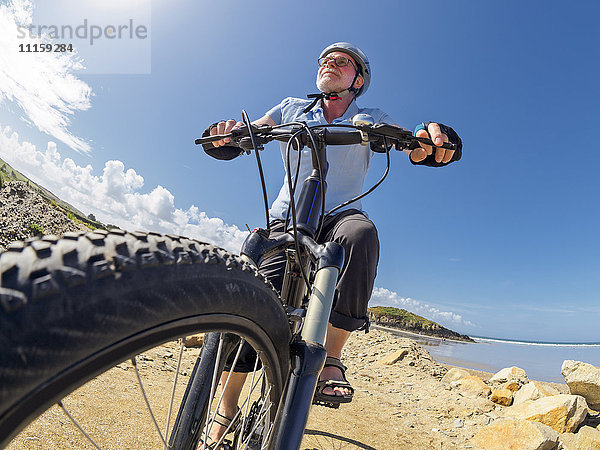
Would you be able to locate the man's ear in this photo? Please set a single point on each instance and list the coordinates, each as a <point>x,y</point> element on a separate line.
<point>359,82</point>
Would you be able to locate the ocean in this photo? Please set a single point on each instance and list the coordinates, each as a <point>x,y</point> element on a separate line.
<point>540,360</point>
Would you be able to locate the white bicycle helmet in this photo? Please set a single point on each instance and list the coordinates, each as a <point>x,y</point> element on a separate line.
<point>358,55</point>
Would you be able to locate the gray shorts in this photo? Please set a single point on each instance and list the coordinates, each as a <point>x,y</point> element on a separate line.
<point>358,235</point>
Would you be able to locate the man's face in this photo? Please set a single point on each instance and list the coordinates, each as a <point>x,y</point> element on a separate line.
<point>331,78</point>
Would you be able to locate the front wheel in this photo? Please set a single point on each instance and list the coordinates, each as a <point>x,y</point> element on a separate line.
<point>72,308</point>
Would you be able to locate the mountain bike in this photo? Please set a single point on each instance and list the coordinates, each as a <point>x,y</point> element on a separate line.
<point>74,307</point>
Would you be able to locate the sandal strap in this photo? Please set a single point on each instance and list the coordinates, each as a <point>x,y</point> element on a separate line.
<point>332,361</point>
<point>334,383</point>
<point>222,420</point>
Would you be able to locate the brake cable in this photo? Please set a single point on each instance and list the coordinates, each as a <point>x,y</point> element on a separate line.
<point>292,205</point>
<point>375,186</point>
<point>292,188</point>
<point>246,120</point>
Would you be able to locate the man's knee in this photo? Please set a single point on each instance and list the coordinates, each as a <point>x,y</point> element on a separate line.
<point>359,233</point>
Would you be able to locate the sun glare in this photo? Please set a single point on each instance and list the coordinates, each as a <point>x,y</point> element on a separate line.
<point>115,4</point>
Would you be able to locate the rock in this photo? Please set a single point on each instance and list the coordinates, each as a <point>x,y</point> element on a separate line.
<point>587,438</point>
<point>455,374</point>
<point>532,391</point>
<point>482,405</point>
<point>562,412</point>
<point>583,379</point>
<point>514,433</point>
<point>22,207</point>
<point>458,423</point>
<point>472,387</point>
<point>502,396</point>
<point>512,386</point>
<point>194,340</point>
<point>509,374</point>
<point>394,357</point>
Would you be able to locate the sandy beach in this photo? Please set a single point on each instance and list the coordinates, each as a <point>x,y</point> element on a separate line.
<point>403,405</point>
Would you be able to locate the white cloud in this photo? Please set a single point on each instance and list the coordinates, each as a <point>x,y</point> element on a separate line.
<point>385,297</point>
<point>42,84</point>
<point>115,196</point>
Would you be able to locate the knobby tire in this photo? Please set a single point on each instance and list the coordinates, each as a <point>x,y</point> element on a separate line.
<point>72,308</point>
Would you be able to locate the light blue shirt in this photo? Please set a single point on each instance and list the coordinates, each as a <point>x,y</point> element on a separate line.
<point>348,164</point>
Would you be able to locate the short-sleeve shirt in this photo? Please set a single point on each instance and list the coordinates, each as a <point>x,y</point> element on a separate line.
<point>348,164</point>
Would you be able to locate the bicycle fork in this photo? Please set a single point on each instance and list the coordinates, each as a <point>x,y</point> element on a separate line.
<point>307,355</point>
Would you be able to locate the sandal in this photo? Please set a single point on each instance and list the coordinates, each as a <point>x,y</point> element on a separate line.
<point>226,423</point>
<point>333,401</point>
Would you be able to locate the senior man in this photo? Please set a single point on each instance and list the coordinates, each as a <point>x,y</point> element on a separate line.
<point>344,74</point>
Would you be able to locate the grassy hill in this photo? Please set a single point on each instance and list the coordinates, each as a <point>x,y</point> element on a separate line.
<point>407,321</point>
<point>8,173</point>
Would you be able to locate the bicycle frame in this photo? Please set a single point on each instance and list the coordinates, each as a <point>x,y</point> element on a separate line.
<point>307,353</point>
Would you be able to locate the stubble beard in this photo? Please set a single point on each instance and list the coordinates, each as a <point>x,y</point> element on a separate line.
<point>327,85</point>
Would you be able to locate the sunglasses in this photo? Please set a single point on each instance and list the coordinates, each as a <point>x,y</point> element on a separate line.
<point>340,61</point>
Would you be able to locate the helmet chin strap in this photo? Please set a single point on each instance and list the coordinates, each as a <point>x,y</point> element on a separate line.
<point>331,95</point>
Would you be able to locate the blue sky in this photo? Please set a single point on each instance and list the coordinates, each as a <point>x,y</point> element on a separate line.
<point>502,244</point>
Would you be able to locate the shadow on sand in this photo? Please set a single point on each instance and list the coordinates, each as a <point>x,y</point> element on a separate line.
<point>335,437</point>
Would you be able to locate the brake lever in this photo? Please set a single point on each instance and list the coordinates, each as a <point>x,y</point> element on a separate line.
<point>404,139</point>
<point>236,134</point>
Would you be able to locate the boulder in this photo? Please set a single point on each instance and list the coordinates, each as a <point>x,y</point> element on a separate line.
<point>514,433</point>
<point>532,391</point>
<point>194,340</point>
<point>587,438</point>
<point>472,387</point>
<point>394,357</point>
<point>455,374</point>
<point>509,374</point>
<point>502,396</point>
<point>563,413</point>
<point>583,379</point>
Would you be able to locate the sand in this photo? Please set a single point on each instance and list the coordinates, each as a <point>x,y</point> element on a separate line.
<point>397,406</point>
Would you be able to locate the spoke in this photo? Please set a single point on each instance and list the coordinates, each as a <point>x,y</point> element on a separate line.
<point>60,403</point>
<point>213,386</point>
<point>209,426</point>
<point>266,436</point>
<point>137,373</point>
<point>173,392</point>
<point>245,403</point>
<point>260,415</point>
<point>251,390</point>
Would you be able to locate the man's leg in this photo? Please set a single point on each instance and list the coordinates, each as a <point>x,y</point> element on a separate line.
<point>336,338</point>
<point>357,234</point>
<point>229,404</point>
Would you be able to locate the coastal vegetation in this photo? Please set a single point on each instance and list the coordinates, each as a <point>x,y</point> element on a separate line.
<point>401,319</point>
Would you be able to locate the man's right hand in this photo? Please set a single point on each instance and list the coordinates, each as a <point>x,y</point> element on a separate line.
<point>224,127</point>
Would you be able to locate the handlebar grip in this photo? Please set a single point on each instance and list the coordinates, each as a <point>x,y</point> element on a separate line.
<point>234,134</point>
<point>342,136</point>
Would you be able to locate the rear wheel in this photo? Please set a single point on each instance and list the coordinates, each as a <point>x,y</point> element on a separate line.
<point>71,309</point>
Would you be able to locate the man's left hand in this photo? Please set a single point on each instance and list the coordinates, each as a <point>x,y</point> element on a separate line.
<point>434,133</point>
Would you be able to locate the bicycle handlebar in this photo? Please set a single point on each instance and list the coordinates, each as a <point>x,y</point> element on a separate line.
<point>332,134</point>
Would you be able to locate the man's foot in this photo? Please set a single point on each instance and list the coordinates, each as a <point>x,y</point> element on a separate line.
<point>221,424</point>
<point>333,388</point>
